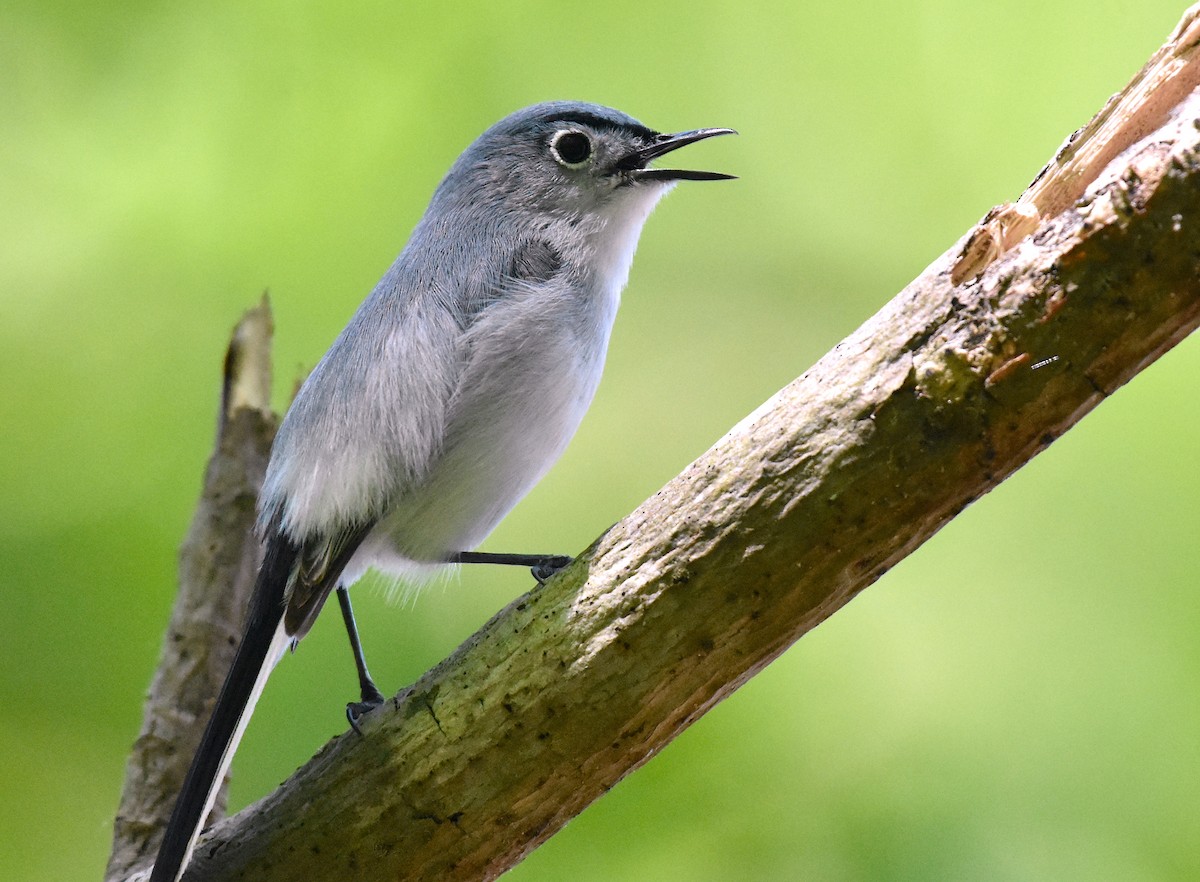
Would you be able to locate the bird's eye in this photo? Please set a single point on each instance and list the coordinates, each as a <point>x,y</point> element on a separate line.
<point>570,148</point>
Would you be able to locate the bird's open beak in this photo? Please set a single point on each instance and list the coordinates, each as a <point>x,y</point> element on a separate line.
<point>636,161</point>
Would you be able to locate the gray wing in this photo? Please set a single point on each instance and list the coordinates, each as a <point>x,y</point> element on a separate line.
<point>318,567</point>
<point>367,422</point>
<point>377,416</point>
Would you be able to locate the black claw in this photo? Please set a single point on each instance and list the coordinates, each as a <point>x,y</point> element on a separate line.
<point>548,567</point>
<point>356,710</point>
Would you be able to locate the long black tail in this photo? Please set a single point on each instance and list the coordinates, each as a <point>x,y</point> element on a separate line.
<point>262,641</point>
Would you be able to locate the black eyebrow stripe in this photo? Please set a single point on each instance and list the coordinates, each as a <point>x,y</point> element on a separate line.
<point>595,121</point>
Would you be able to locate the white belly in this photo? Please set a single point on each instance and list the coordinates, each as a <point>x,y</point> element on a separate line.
<point>534,369</point>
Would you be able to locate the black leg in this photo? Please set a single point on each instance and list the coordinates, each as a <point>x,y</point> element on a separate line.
<point>542,566</point>
<point>371,696</point>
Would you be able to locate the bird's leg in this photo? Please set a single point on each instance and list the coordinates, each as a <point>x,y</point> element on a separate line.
<point>371,696</point>
<point>542,566</point>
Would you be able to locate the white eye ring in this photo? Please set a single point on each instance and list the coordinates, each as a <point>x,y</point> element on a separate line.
<point>571,148</point>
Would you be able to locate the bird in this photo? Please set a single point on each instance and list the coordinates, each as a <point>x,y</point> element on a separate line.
<point>454,387</point>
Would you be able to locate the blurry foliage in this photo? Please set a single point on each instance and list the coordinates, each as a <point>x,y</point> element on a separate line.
<point>1017,700</point>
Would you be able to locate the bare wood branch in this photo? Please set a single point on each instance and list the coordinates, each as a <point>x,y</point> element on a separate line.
<point>217,565</point>
<point>927,406</point>
<point>1141,107</point>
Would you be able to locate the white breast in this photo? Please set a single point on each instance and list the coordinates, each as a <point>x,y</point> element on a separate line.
<point>535,361</point>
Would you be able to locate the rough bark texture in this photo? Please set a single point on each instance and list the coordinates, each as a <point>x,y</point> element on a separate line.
<point>930,404</point>
<point>217,565</point>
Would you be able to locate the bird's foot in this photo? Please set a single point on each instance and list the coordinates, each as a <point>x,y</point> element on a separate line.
<point>372,698</point>
<point>547,567</point>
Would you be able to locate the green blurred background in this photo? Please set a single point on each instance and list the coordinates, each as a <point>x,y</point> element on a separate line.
<point>1015,701</point>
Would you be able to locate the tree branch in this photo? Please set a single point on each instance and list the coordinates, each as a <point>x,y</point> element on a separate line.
<point>927,406</point>
<point>1137,110</point>
<point>217,566</point>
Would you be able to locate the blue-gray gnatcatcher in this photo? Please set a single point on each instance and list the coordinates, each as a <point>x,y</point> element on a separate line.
<point>453,389</point>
